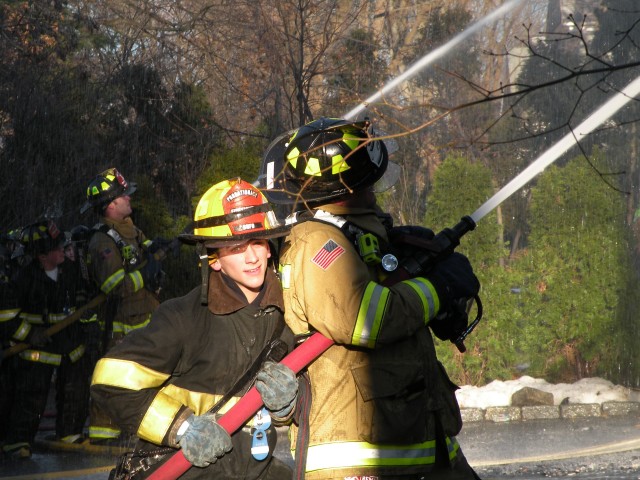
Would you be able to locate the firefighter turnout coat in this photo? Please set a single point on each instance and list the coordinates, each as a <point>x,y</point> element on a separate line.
<point>381,402</point>
<point>114,260</point>
<point>187,358</point>
<point>45,302</point>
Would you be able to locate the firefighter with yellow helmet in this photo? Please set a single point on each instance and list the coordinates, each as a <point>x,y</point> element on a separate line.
<point>382,406</point>
<point>168,382</point>
<point>122,266</point>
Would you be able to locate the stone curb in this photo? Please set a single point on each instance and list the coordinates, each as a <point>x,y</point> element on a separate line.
<point>516,414</point>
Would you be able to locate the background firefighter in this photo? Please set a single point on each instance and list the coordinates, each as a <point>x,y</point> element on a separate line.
<point>46,292</point>
<point>202,351</point>
<point>382,406</point>
<point>123,267</point>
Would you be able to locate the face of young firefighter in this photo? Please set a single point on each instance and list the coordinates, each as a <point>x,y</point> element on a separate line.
<point>246,264</point>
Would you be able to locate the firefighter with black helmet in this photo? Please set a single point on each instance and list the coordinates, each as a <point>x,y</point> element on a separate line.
<point>123,268</point>
<point>382,405</point>
<point>168,382</point>
<point>46,293</point>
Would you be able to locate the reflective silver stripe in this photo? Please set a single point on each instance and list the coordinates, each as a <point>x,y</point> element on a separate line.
<point>41,357</point>
<point>360,454</point>
<point>113,281</point>
<point>8,314</point>
<point>427,294</point>
<point>372,309</point>
<point>58,317</point>
<point>138,281</point>
<point>34,318</point>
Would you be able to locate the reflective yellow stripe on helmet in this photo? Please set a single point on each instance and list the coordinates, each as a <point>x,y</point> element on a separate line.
<point>427,294</point>
<point>363,454</point>
<point>370,315</point>
<point>112,282</point>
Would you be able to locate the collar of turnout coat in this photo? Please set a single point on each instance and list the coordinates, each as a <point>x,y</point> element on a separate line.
<point>223,299</point>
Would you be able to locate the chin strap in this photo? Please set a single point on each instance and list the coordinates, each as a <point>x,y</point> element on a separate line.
<point>201,250</point>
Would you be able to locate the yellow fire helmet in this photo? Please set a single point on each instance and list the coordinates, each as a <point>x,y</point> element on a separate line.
<point>232,212</point>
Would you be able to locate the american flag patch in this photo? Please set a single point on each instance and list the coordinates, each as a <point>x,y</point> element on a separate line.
<point>329,252</point>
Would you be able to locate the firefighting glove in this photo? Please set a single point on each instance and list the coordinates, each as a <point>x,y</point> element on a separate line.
<point>278,387</point>
<point>152,274</point>
<point>204,440</point>
<point>455,284</point>
<point>38,337</point>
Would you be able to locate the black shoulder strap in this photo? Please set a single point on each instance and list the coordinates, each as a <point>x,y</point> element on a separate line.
<point>274,350</point>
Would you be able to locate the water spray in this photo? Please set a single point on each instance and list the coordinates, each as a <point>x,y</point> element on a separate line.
<point>434,55</point>
<point>596,119</point>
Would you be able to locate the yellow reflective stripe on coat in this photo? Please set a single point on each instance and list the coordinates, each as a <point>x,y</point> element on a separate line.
<point>126,329</point>
<point>35,318</point>
<point>103,432</point>
<point>199,402</point>
<point>452,446</point>
<point>76,353</point>
<point>112,282</point>
<point>159,417</point>
<point>372,309</point>
<point>41,357</point>
<point>22,331</point>
<point>427,294</point>
<point>285,276</point>
<point>363,454</point>
<point>126,374</point>
<point>8,314</point>
<point>137,280</point>
<point>58,317</point>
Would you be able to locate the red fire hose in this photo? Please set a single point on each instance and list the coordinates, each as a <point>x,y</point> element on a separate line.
<point>248,405</point>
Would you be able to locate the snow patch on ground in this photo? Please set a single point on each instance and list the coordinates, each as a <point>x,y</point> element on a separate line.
<point>588,390</point>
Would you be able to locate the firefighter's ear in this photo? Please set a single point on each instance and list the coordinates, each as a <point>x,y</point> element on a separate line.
<point>214,262</point>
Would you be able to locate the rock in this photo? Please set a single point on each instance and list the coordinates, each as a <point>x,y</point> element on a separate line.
<point>529,397</point>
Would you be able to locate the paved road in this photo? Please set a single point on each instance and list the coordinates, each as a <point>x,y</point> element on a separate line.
<point>592,448</point>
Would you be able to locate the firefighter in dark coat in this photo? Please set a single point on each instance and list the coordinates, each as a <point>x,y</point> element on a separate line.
<point>46,292</point>
<point>168,382</point>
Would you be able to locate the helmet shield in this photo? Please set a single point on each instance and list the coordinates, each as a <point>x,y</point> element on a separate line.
<point>106,187</point>
<point>232,212</point>
<point>325,159</point>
